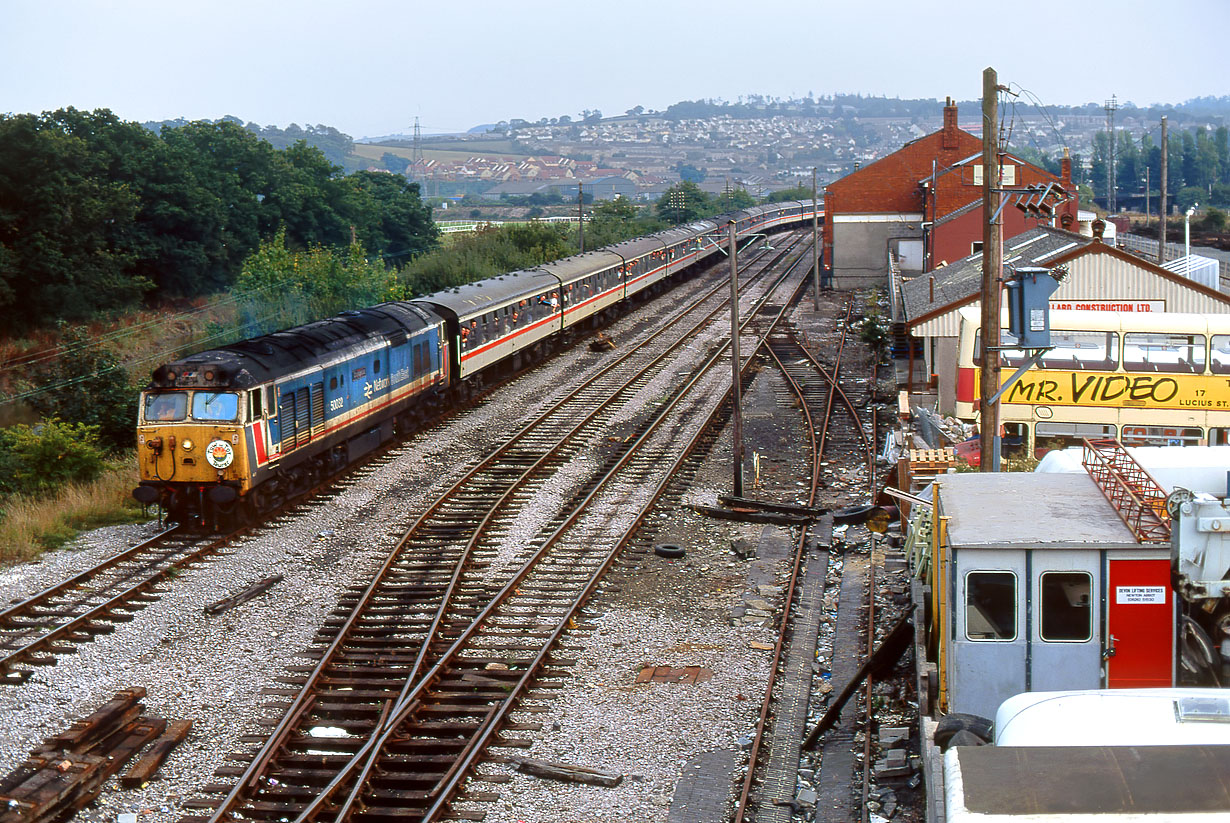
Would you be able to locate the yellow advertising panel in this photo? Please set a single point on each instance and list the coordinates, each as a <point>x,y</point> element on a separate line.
<point>1148,390</point>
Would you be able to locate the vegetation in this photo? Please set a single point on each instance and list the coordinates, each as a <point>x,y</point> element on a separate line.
<point>31,524</point>
<point>1198,166</point>
<point>98,214</point>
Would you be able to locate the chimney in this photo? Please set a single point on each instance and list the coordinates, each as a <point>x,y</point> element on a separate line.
<point>1065,167</point>
<point>951,140</point>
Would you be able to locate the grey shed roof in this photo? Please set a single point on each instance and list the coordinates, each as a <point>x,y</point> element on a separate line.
<point>961,280</point>
<point>1018,510</point>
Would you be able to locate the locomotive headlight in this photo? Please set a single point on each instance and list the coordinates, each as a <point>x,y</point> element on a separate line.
<point>219,454</point>
<point>186,445</point>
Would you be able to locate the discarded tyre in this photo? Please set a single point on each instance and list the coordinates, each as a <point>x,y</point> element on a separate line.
<point>949,725</point>
<point>671,550</point>
<point>964,737</point>
<point>853,515</point>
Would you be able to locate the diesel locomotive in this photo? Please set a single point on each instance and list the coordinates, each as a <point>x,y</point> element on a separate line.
<point>228,433</point>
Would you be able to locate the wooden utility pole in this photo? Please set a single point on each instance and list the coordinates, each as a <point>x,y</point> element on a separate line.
<point>992,272</point>
<point>1161,232</point>
<point>581,213</point>
<point>736,386</point>
<point>815,243</point>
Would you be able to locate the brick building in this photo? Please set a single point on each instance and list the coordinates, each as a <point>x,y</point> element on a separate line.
<point>922,203</point>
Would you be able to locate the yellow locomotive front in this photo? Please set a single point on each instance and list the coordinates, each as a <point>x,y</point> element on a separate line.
<point>193,458</point>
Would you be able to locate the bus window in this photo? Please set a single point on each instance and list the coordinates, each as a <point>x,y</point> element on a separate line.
<point>1061,435</point>
<point>1157,351</point>
<point>1161,436</point>
<point>1219,354</point>
<point>1219,437</point>
<point>1082,350</point>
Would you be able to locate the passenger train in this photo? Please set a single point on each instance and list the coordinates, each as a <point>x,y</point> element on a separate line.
<point>231,432</point>
<point>1148,379</point>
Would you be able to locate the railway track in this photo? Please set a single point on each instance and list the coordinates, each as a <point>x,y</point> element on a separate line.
<point>829,408</point>
<point>39,629</point>
<point>418,671</point>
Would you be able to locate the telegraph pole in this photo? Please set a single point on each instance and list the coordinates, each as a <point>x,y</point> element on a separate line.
<point>1161,232</point>
<point>992,271</point>
<point>736,386</point>
<point>815,243</point>
<point>581,213</point>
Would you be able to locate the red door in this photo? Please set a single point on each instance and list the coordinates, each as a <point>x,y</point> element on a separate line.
<point>1140,625</point>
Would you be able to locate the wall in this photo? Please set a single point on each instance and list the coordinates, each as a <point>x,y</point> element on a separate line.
<point>861,245</point>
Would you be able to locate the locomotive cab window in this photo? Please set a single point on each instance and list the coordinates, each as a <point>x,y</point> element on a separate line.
<point>1067,607</point>
<point>332,384</point>
<point>166,406</point>
<point>376,366</point>
<point>255,412</point>
<point>219,406</point>
<point>990,606</point>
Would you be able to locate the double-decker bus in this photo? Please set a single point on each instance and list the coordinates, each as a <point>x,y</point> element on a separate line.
<point>1149,379</point>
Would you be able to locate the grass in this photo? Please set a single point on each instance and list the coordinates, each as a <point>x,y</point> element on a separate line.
<point>33,525</point>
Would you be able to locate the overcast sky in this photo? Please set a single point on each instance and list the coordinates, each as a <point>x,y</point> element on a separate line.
<point>369,67</point>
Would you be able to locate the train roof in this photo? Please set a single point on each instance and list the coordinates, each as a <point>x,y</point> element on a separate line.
<point>263,358</point>
<point>484,295</point>
<point>579,265</point>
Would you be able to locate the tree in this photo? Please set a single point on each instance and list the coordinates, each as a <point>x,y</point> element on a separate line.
<point>1189,196</point>
<point>796,193</point>
<point>734,200</point>
<point>394,162</point>
<point>88,386</point>
<point>690,173</point>
<point>389,216</point>
<point>683,202</point>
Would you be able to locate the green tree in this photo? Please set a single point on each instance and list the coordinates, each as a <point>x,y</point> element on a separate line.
<point>37,459</point>
<point>795,193</point>
<point>88,386</point>
<point>733,200</point>
<point>287,287</point>
<point>1189,196</point>
<point>389,217</point>
<point>683,202</point>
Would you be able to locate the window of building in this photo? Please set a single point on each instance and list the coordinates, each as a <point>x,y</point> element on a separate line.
<point>990,605</point>
<point>1067,606</point>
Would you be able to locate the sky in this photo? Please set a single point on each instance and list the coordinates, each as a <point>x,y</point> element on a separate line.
<point>370,67</point>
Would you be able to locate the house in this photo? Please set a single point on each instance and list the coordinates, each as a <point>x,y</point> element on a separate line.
<point>922,204</point>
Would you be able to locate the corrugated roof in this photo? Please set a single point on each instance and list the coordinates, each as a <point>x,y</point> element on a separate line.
<point>959,281</point>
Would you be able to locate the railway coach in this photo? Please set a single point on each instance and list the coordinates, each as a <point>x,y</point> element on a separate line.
<point>227,434</point>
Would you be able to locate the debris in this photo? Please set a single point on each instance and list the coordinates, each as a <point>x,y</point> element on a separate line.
<point>602,342</point>
<point>144,769</point>
<point>748,516</point>
<point>764,505</point>
<point>568,772</point>
<point>243,597</point>
<point>764,647</point>
<point>68,771</point>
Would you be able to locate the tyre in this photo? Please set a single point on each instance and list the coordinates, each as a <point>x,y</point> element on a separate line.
<point>672,551</point>
<point>950,724</point>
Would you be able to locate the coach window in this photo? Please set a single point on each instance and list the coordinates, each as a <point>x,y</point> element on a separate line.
<point>1219,354</point>
<point>1067,609</point>
<point>1155,351</point>
<point>990,606</point>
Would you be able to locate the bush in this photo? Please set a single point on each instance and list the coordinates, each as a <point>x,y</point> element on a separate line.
<point>38,459</point>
